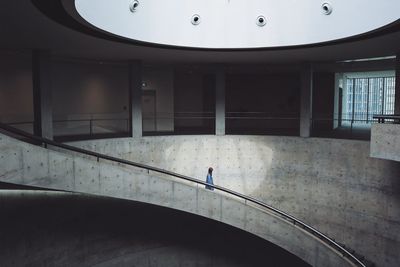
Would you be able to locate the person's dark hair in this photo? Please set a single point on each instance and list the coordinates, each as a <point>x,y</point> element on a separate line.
<point>210,170</point>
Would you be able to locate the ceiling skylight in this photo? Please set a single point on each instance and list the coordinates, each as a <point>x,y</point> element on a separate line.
<point>234,24</point>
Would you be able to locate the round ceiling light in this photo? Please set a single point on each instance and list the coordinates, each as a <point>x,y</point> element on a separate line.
<point>261,21</point>
<point>195,19</point>
<point>327,8</point>
<point>134,5</point>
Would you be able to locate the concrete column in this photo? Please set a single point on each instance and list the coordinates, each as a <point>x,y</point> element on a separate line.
<point>42,95</point>
<point>338,101</point>
<point>397,94</point>
<point>220,102</point>
<point>135,92</point>
<point>306,101</point>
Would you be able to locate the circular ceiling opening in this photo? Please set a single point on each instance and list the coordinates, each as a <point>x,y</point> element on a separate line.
<point>229,24</point>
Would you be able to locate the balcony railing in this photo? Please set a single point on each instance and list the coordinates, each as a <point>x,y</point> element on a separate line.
<point>388,118</point>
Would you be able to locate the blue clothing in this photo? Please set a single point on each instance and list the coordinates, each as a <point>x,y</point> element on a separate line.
<point>209,180</point>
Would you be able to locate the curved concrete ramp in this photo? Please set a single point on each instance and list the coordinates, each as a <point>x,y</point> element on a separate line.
<point>25,164</point>
<point>72,229</point>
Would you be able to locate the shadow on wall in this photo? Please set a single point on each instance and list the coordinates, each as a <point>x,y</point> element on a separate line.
<point>341,191</point>
<point>61,229</point>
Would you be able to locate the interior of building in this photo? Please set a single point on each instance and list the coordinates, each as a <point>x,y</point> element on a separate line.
<point>112,114</point>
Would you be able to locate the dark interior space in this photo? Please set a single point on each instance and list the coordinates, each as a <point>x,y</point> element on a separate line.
<point>194,102</point>
<point>262,103</point>
<point>323,103</point>
<point>325,123</point>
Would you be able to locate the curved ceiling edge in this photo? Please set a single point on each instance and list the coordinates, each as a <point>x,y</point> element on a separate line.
<point>64,13</point>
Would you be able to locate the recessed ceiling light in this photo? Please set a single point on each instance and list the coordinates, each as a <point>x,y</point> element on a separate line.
<point>261,21</point>
<point>195,19</point>
<point>327,8</point>
<point>134,5</point>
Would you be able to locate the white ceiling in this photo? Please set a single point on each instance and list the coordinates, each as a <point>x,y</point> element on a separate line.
<point>24,27</point>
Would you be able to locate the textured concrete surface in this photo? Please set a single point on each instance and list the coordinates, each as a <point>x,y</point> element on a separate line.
<point>385,141</point>
<point>102,178</point>
<point>43,228</point>
<point>333,185</point>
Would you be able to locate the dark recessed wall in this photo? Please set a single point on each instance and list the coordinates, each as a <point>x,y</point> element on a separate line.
<point>89,88</point>
<point>194,102</point>
<point>323,103</point>
<point>16,99</point>
<point>263,103</point>
<point>90,97</point>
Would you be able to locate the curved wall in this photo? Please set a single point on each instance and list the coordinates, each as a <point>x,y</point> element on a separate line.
<point>331,184</point>
<point>233,23</point>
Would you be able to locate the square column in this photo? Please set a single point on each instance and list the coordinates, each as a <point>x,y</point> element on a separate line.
<point>337,113</point>
<point>42,94</point>
<point>220,102</point>
<point>135,100</point>
<point>306,92</point>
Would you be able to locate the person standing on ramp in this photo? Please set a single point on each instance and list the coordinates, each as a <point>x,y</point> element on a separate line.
<point>209,179</point>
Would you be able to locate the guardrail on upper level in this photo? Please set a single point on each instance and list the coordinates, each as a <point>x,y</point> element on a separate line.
<point>320,236</point>
<point>388,118</point>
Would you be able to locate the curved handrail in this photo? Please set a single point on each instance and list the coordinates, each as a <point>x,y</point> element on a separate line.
<point>322,237</point>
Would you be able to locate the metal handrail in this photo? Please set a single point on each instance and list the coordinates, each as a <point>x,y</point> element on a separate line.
<point>20,122</point>
<point>84,120</point>
<point>263,118</point>
<point>320,236</point>
<point>382,118</point>
<point>178,117</point>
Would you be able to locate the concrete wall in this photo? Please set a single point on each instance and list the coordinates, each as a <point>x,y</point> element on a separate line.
<point>22,163</point>
<point>385,141</point>
<point>331,184</point>
<point>68,229</point>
